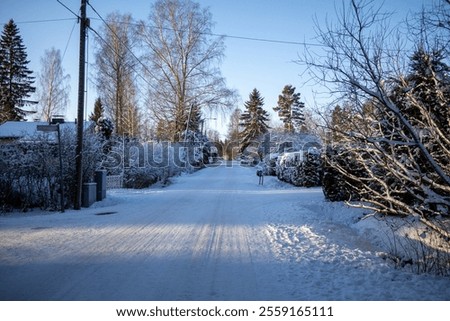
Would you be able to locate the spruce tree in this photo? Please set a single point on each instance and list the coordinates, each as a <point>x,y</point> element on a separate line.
<point>195,118</point>
<point>430,84</point>
<point>98,112</point>
<point>254,119</point>
<point>290,109</point>
<point>423,97</point>
<point>16,82</point>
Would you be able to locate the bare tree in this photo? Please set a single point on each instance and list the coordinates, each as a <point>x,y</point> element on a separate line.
<point>116,67</point>
<point>233,126</point>
<point>53,86</point>
<point>183,59</point>
<point>396,142</point>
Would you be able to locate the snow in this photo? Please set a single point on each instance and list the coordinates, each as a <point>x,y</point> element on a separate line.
<point>211,235</point>
<point>290,158</point>
<point>21,129</point>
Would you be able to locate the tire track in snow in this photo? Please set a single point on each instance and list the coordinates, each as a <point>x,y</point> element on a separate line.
<point>224,238</point>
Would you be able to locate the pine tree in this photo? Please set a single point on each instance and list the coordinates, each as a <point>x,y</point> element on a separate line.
<point>290,109</point>
<point>254,119</point>
<point>15,77</point>
<point>98,112</point>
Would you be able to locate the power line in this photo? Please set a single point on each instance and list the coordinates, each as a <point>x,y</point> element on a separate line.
<point>75,14</point>
<point>68,41</point>
<point>277,41</point>
<point>44,21</point>
<point>284,42</point>
<point>126,47</point>
<point>113,50</point>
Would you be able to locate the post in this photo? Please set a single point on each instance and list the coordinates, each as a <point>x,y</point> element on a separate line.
<point>80,114</point>
<point>187,125</point>
<point>61,179</point>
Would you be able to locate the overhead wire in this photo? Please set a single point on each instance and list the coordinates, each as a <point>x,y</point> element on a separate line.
<point>68,41</point>
<point>44,20</point>
<point>276,41</point>
<point>126,47</point>
<point>75,14</point>
<point>113,49</point>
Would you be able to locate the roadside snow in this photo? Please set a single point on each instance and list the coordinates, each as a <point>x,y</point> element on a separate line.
<point>212,235</point>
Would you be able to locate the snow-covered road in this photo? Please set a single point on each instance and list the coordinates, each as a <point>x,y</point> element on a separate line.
<point>212,235</point>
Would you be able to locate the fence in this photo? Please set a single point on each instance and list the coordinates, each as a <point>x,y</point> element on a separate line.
<point>114,181</point>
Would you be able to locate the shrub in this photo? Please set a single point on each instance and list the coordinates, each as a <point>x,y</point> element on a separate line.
<point>30,172</point>
<point>336,186</point>
<point>140,177</point>
<point>301,168</point>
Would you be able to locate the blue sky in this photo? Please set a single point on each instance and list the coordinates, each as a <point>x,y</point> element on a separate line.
<point>267,66</point>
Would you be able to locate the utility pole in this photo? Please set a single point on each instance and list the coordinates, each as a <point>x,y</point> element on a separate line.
<point>80,114</point>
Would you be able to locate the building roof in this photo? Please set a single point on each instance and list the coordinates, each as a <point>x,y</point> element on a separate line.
<point>27,129</point>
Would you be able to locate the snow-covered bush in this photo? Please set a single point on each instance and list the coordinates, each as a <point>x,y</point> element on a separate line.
<point>301,168</point>
<point>145,163</point>
<point>105,127</point>
<point>335,185</point>
<point>200,151</point>
<point>30,172</point>
<point>312,168</point>
<point>140,177</point>
<point>276,143</point>
<point>270,161</point>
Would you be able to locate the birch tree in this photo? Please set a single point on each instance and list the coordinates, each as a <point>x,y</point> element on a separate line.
<point>116,67</point>
<point>53,86</point>
<point>183,64</point>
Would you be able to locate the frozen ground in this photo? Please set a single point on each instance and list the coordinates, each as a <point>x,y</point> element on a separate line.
<point>212,235</point>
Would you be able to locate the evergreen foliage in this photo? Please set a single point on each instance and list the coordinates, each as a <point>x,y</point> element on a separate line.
<point>300,168</point>
<point>98,111</point>
<point>290,109</point>
<point>341,174</point>
<point>16,82</point>
<point>105,127</point>
<point>393,131</point>
<point>253,119</point>
<point>195,118</point>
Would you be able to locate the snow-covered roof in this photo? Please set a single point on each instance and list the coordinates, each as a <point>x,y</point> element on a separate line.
<point>19,129</point>
<point>22,129</point>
